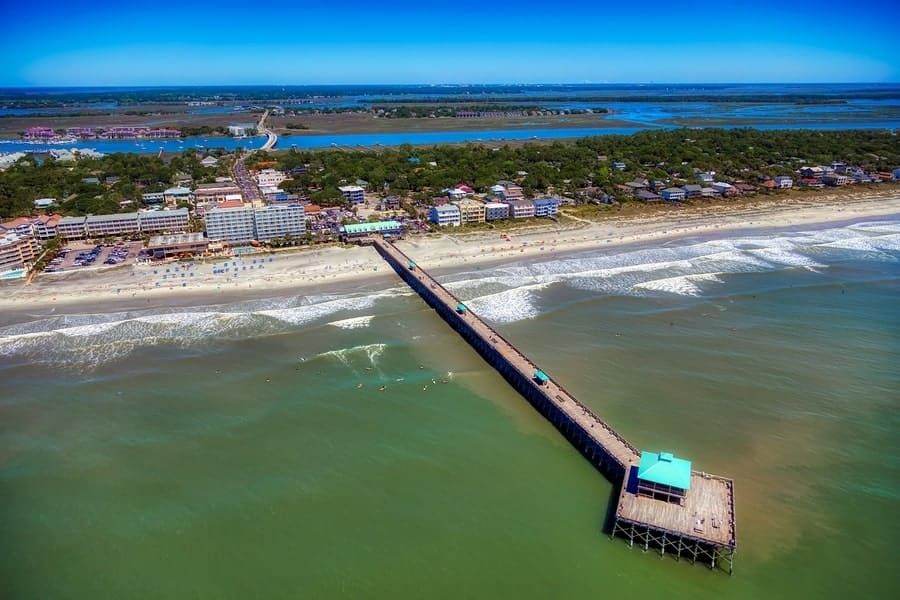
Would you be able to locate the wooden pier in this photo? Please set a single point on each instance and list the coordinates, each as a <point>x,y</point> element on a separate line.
<point>699,528</point>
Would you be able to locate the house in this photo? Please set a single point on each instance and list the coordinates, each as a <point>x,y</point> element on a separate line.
<point>745,188</point>
<point>468,190</point>
<point>635,186</point>
<point>691,190</point>
<point>183,179</point>
<point>497,189</point>
<point>618,166</point>
<point>546,207</point>
<point>152,198</point>
<point>353,194</point>
<point>725,189</point>
<point>512,192</point>
<point>811,182</point>
<point>44,203</point>
<point>673,194</point>
<point>770,184</point>
<point>495,210</point>
<point>647,196</point>
<point>835,180</point>
<point>708,192</point>
<point>784,182</point>
<point>390,203</point>
<point>91,180</point>
<point>455,194</point>
<point>521,209</point>
<point>447,214</point>
<point>209,161</point>
<point>896,174</point>
<point>706,177</point>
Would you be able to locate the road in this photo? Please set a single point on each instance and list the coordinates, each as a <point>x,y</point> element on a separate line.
<point>272,139</point>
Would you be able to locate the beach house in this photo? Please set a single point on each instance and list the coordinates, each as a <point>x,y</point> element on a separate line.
<point>664,477</point>
<point>672,194</point>
<point>445,214</point>
<point>521,209</point>
<point>547,206</point>
<point>494,211</point>
<point>784,182</point>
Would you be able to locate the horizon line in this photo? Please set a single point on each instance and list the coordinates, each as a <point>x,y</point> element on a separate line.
<point>447,84</point>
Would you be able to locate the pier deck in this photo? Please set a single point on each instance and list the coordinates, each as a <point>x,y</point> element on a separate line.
<point>703,526</point>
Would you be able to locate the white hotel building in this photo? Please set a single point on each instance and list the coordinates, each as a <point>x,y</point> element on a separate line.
<point>278,221</point>
<point>230,224</point>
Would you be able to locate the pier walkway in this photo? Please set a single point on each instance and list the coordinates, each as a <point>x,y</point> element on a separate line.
<point>702,527</point>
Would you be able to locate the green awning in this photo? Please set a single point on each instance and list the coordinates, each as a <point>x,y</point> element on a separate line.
<point>461,307</point>
<point>541,376</point>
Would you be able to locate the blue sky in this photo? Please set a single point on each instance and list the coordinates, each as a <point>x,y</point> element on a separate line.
<point>134,42</point>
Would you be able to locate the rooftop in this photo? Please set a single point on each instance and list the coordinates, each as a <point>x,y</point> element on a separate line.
<point>664,468</point>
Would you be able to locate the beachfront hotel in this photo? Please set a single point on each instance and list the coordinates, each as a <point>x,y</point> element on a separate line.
<point>94,226</point>
<point>494,211</point>
<point>17,251</point>
<point>235,225</point>
<point>164,220</point>
<point>278,221</point>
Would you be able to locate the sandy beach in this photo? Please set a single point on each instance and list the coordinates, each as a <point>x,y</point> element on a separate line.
<point>317,270</point>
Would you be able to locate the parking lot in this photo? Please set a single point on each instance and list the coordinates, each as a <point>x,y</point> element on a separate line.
<point>76,257</point>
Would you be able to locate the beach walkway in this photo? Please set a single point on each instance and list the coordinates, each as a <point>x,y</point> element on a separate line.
<point>701,527</point>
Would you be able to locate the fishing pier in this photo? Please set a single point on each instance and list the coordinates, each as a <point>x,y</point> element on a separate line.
<point>662,503</point>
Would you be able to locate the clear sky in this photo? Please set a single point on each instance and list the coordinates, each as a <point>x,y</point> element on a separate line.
<point>135,42</point>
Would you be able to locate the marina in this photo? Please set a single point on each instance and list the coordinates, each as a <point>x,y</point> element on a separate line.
<point>691,516</point>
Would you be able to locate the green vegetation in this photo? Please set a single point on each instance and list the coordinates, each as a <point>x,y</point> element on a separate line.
<point>561,167</point>
<point>188,131</point>
<point>133,174</point>
<point>566,167</point>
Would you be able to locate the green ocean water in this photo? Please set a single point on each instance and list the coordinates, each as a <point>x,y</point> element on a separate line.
<point>229,452</point>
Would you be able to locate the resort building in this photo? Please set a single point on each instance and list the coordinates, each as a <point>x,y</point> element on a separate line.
<point>446,214</point>
<point>270,178</point>
<point>17,252</point>
<point>279,221</point>
<point>164,220</point>
<point>174,195</point>
<point>209,161</point>
<point>109,225</point>
<point>494,211</point>
<point>71,228</point>
<point>44,203</point>
<point>546,207</point>
<point>353,194</point>
<point>673,194</point>
<point>521,209</point>
<point>44,228</point>
<point>663,477</point>
<point>152,198</point>
<point>470,211</point>
<point>784,182</point>
<point>165,246</point>
<point>235,225</point>
<point>218,192</point>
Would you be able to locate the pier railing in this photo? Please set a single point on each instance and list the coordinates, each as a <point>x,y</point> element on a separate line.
<point>624,455</point>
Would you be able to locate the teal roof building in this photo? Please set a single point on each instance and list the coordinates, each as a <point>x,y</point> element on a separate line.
<point>382,227</point>
<point>663,476</point>
<point>665,469</point>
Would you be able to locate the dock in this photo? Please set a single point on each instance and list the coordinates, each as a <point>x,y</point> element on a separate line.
<point>699,526</point>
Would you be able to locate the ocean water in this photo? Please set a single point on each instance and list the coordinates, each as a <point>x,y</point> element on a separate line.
<point>247,450</point>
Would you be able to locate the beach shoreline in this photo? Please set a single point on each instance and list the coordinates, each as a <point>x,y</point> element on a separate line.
<point>328,270</point>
